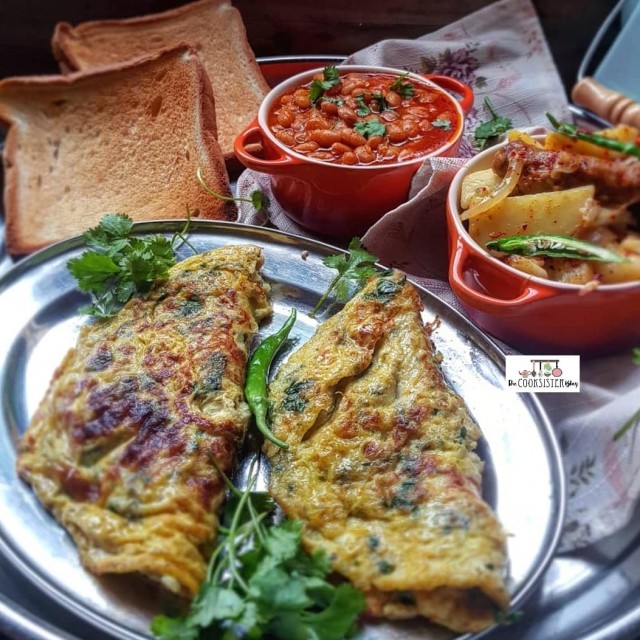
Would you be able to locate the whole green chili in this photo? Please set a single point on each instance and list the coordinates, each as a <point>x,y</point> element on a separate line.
<point>567,129</point>
<point>255,388</point>
<point>554,246</point>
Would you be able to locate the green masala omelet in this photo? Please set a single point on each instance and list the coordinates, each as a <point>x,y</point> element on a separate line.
<point>381,467</point>
<point>124,447</point>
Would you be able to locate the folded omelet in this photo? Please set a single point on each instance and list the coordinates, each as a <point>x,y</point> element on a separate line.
<point>381,467</point>
<point>125,446</point>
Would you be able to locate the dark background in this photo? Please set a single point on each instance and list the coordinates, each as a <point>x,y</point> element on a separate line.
<point>280,27</point>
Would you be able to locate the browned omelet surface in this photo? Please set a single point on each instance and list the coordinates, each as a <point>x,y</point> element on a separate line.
<point>381,466</point>
<point>124,446</point>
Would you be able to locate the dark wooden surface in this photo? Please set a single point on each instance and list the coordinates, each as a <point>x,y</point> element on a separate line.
<point>296,26</point>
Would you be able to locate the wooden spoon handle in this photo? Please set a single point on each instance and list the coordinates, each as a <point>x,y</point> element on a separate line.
<point>608,104</point>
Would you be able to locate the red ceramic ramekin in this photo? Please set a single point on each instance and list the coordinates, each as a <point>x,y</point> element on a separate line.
<point>334,199</point>
<point>533,314</point>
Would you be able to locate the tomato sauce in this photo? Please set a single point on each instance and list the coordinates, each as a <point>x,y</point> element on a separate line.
<point>363,118</point>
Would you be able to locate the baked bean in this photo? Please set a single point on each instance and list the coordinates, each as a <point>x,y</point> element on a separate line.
<point>395,133</point>
<point>325,137</point>
<point>365,154</point>
<point>316,123</point>
<point>328,129</point>
<point>304,102</point>
<point>285,117</point>
<point>347,114</point>
<point>286,137</point>
<point>338,148</point>
<point>374,141</point>
<point>405,154</point>
<point>409,128</point>
<point>321,155</point>
<point>421,112</point>
<point>352,138</point>
<point>329,107</point>
<point>306,147</point>
<point>393,99</point>
<point>389,116</point>
<point>349,158</point>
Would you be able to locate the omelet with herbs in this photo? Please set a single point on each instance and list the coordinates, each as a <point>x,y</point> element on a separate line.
<point>381,467</point>
<point>126,445</point>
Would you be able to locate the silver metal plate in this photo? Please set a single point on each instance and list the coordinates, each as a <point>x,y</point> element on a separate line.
<point>523,476</point>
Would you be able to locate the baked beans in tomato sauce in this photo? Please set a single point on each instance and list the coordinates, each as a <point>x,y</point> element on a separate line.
<point>363,118</point>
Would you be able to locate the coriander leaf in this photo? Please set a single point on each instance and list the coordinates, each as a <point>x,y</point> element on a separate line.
<point>318,87</point>
<point>636,356</point>
<point>279,590</point>
<point>442,123</point>
<point>352,272</point>
<point>492,128</point>
<point>215,603</point>
<point>362,110</point>
<point>405,89</point>
<point>283,542</point>
<point>92,270</point>
<point>369,128</point>
<point>120,264</point>
<point>259,200</point>
<point>172,629</point>
<point>333,623</point>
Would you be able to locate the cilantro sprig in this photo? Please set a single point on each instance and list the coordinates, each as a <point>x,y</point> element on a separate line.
<point>405,89</point>
<point>260,583</point>
<point>442,123</point>
<point>317,88</point>
<point>370,128</point>
<point>119,264</point>
<point>257,199</point>
<point>353,272</point>
<point>490,129</point>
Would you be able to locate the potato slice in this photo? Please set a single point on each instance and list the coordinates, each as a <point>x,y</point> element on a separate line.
<point>613,272</point>
<point>557,212</point>
<point>477,185</point>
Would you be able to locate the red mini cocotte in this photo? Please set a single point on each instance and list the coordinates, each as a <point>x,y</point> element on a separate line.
<point>341,156</point>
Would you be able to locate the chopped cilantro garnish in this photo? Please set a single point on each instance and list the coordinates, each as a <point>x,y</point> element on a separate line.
<point>318,87</point>
<point>369,128</point>
<point>405,89</point>
<point>442,123</point>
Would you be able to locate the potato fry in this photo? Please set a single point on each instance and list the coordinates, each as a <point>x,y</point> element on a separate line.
<point>514,135</point>
<point>557,212</point>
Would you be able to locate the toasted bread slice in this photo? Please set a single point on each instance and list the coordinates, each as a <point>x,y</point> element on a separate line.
<point>125,139</point>
<point>214,27</point>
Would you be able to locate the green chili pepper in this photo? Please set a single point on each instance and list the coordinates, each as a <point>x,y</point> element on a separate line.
<point>255,388</point>
<point>572,131</point>
<point>554,246</point>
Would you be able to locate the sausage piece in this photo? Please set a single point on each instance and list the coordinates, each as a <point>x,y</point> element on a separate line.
<point>616,181</point>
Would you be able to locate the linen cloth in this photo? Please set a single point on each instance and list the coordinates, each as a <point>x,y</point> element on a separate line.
<point>501,52</point>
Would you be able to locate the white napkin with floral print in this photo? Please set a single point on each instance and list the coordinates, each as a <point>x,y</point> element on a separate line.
<point>500,51</point>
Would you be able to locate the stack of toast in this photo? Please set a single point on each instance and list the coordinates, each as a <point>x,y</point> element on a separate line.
<point>142,104</point>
